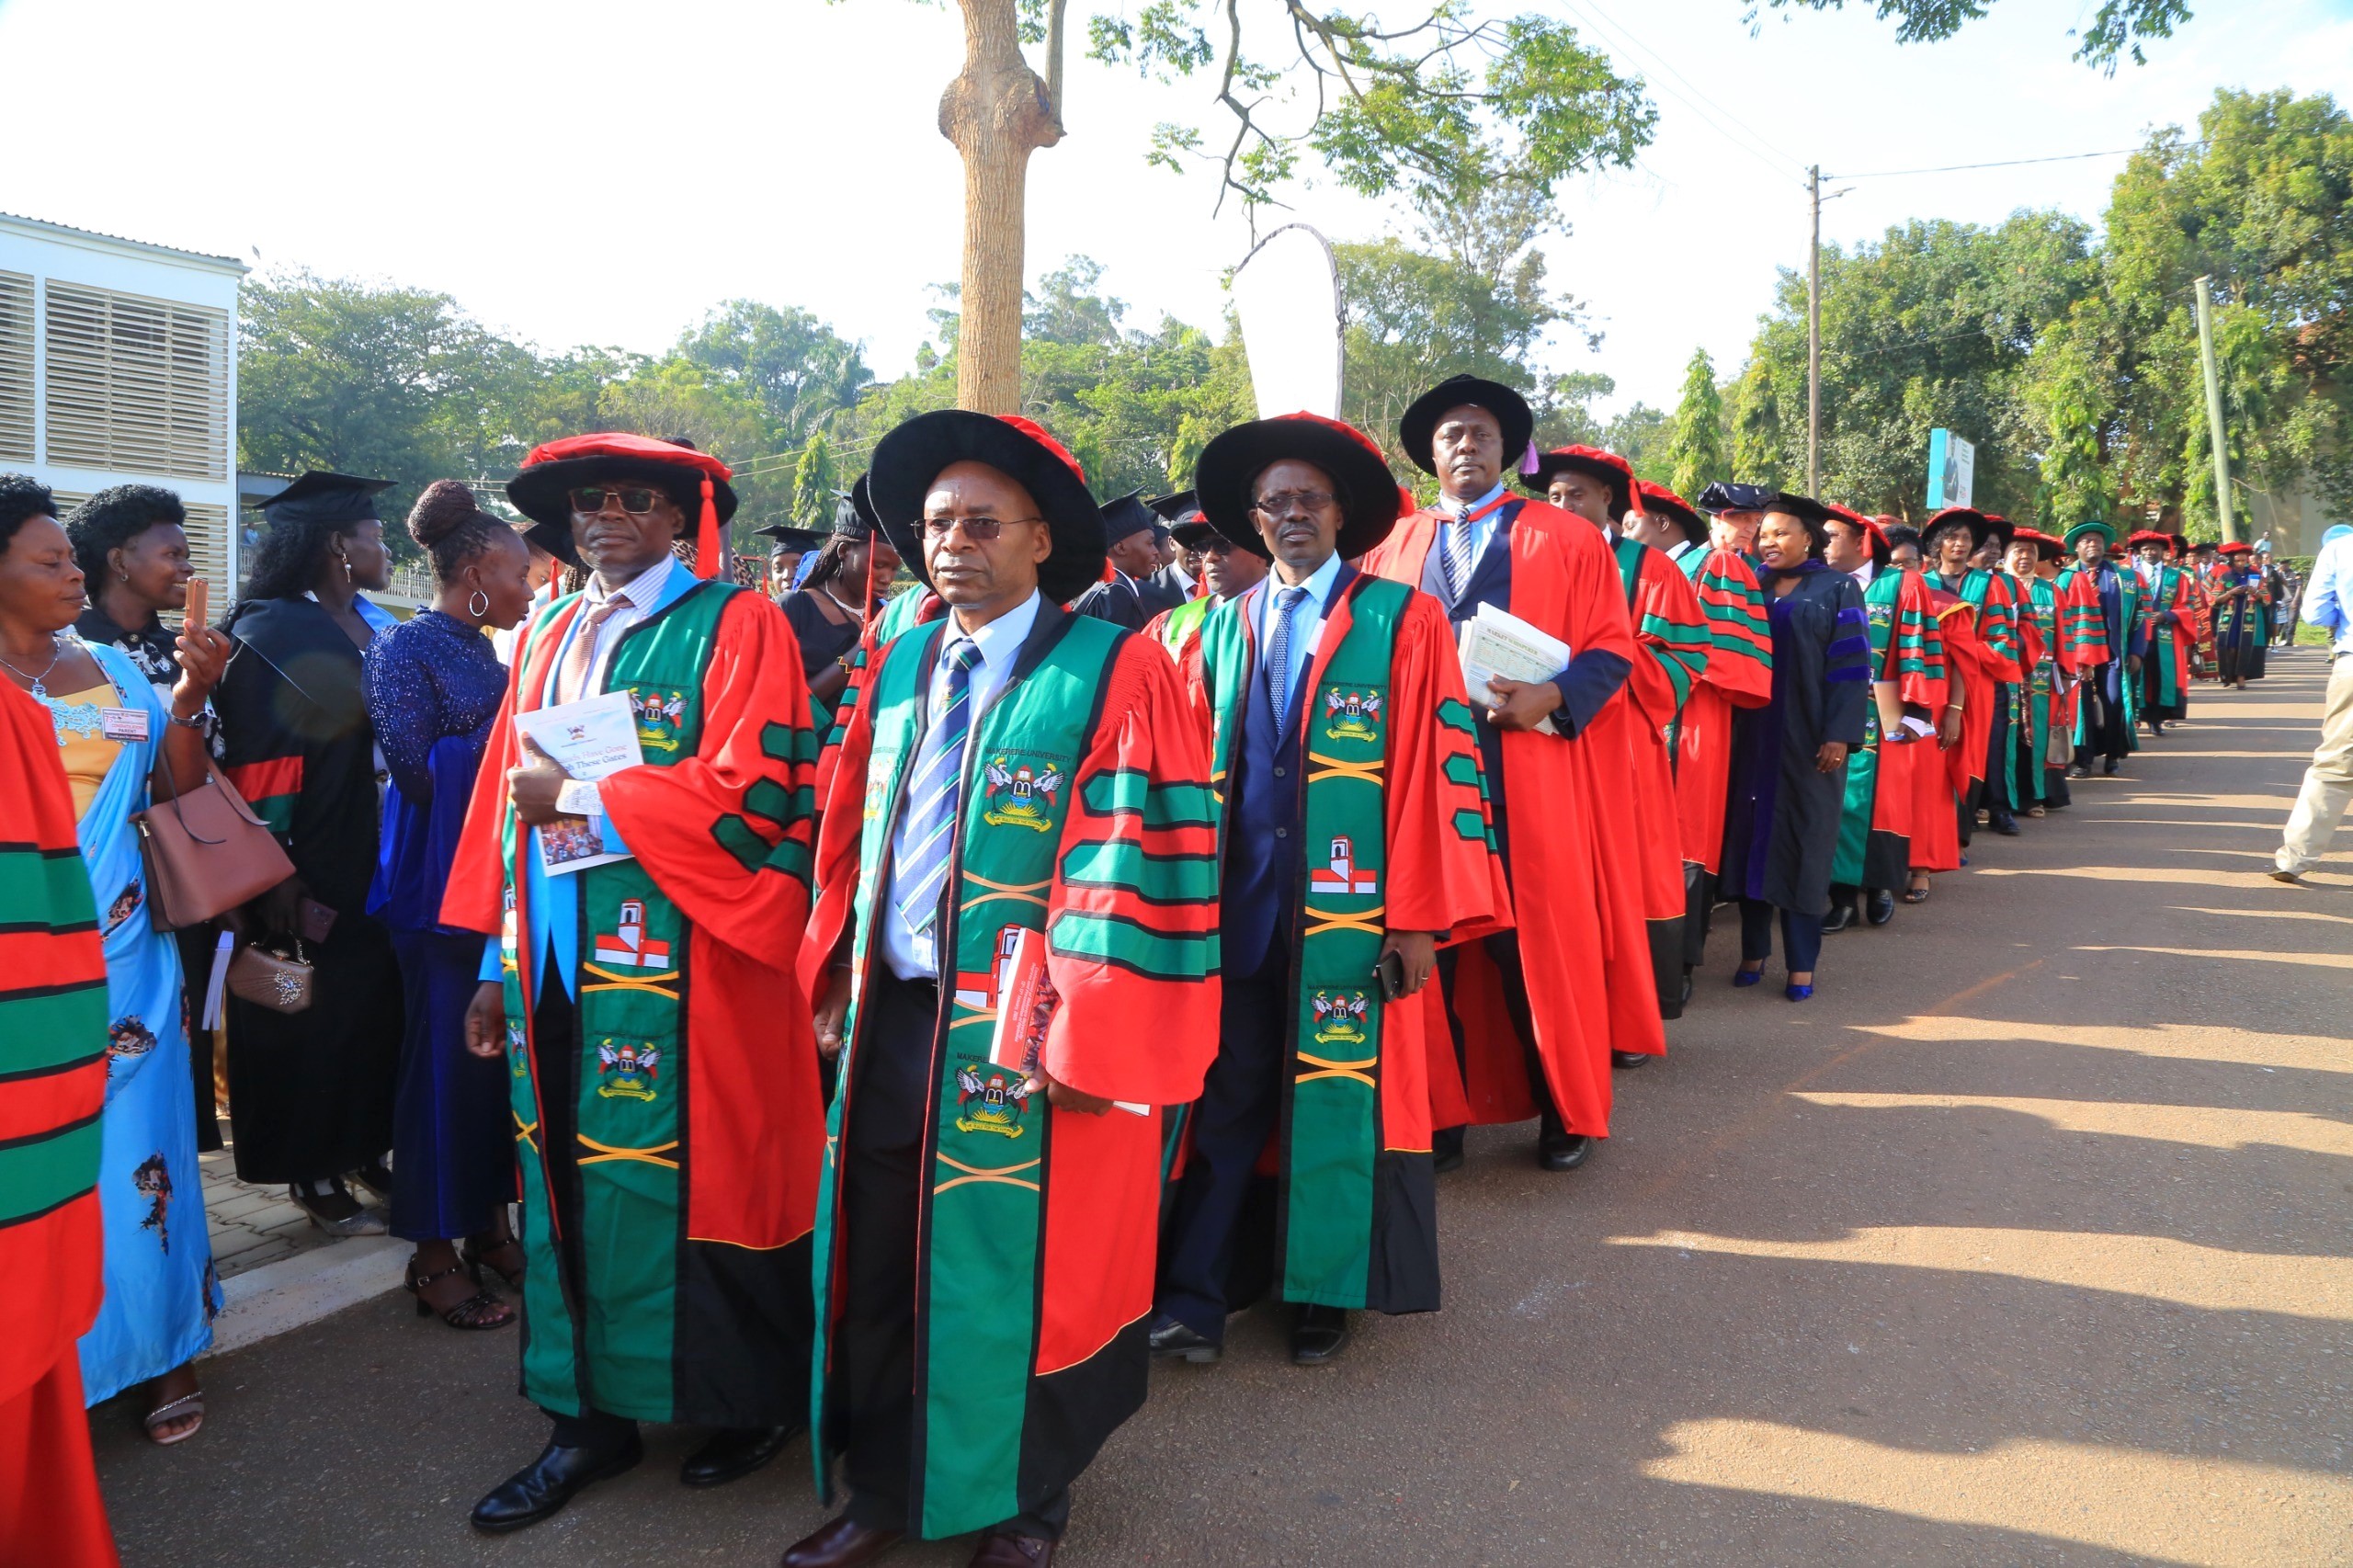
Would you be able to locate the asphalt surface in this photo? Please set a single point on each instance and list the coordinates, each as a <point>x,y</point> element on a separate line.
<point>2025,1241</point>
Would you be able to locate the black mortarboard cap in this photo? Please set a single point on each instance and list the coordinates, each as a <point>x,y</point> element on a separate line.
<point>1721,497</point>
<point>791,538</point>
<point>320,496</point>
<point>1194,532</point>
<point>1178,507</point>
<point>1126,516</point>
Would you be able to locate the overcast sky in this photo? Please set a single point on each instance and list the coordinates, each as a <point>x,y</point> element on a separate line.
<point>579,171</point>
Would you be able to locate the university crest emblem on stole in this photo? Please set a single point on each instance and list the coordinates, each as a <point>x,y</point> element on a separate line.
<point>1351,715</point>
<point>661,716</point>
<point>1020,794</point>
<point>1340,1017</point>
<point>633,1068</point>
<point>992,1104</point>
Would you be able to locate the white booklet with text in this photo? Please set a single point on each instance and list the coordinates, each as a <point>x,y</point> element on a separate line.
<point>1498,643</point>
<point>591,739</point>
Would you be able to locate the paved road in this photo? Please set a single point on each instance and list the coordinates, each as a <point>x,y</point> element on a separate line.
<point>2025,1241</point>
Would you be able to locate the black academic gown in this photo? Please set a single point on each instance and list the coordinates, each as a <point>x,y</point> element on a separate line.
<point>1116,601</point>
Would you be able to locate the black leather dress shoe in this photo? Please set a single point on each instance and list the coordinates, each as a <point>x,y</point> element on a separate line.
<point>1562,1151</point>
<point>1841,915</point>
<point>1172,1340</point>
<point>1002,1548</point>
<point>2006,825</point>
<point>1445,1150</point>
<point>1686,986</point>
<point>1627,1061</point>
<point>548,1482</point>
<point>734,1452</point>
<point>844,1543</point>
<point>1881,906</point>
<point>1319,1334</point>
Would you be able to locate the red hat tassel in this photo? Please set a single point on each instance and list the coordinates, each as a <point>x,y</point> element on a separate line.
<point>707,535</point>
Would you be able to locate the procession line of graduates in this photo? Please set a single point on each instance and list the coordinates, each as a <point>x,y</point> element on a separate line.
<point>931,1063</point>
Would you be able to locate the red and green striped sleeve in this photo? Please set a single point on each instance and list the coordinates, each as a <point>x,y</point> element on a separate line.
<point>1740,656</point>
<point>1669,624</point>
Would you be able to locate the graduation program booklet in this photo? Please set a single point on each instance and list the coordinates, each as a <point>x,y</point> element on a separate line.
<point>1025,1008</point>
<point>1498,643</point>
<point>591,739</point>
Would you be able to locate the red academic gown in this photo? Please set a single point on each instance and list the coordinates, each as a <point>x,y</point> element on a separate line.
<point>1574,872</point>
<point>1672,631</point>
<point>1914,662</point>
<point>1939,791</point>
<point>52,1087</point>
<point>1739,674</point>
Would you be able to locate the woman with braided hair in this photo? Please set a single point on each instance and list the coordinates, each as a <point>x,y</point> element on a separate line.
<point>433,684</point>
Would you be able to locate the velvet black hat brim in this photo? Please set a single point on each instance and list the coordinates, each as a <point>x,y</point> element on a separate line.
<point>1511,409</point>
<point>544,494</point>
<point>1622,488</point>
<point>1233,461</point>
<point>907,460</point>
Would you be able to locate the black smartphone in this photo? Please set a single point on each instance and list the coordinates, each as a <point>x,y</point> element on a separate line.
<point>1391,970</point>
<point>316,919</point>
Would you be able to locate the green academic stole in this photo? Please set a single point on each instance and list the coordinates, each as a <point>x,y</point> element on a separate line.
<point>1331,1133</point>
<point>987,1148</point>
<point>1881,604</point>
<point>632,1073</point>
<point>1182,621</point>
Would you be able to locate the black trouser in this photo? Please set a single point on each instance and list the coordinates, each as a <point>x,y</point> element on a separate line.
<point>874,1338</point>
<point>1503,951</point>
<point>1241,1101</point>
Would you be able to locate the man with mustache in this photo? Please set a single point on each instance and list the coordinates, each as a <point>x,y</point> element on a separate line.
<point>664,1083</point>
<point>1011,771</point>
<point>1535,1012</point>
<point>1355,842</point>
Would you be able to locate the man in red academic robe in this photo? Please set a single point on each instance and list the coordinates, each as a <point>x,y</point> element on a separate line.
<point>1534,1013</point>
<point>1672,633</point>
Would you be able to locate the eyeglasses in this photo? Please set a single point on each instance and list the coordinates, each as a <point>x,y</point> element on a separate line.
<point>1283,503</point>
<point>636,500</point>
<point>1220,547</point>
<point>980,530</point>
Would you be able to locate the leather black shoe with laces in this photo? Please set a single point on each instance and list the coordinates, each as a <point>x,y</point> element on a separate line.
<point>1172,1340</point>
<point>1881,909</point>
<point>548,1482</point>
<point>734,1452</point>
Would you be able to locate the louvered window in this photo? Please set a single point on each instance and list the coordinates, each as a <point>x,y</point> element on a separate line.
<point>208,551</point>
<point>135,384</point>
<point>15,367</point>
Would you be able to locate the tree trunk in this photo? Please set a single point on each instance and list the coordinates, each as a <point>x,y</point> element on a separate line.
<point>996,112</point>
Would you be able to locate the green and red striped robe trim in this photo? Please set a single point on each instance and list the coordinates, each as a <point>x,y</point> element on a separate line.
<point>1738,626</point>
<point>1680,647</point>
<point>270,789</point>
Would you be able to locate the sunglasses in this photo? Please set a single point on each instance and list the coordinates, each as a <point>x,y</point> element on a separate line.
<point>980,530</point>
<point>637,500</point>
<point>1284,503</point>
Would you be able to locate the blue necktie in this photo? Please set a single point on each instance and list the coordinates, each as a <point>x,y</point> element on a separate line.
<point>932,795</point>
<point>1279,654</point>
<point>1455,561</point>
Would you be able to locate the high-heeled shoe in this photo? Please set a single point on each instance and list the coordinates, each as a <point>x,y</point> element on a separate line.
<point>481,1310</point>
<point>1747,976</point>
<point>1796,992</point>
<point>477,1257</point>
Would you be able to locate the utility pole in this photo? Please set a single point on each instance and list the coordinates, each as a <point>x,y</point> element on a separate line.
<point>2214,408</point>
<point>1814,339</point>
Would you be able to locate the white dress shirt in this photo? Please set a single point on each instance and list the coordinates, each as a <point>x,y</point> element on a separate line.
<point>910,954</point>
<point>638,598</point>
<point>1306,621</point>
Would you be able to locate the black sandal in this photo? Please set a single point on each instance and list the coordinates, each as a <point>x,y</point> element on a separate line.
<point>477,1257</point>
<point>481,1310</point>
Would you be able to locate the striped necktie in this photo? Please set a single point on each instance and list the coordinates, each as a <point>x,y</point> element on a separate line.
<point>1279,654</point>
<point>1455,561</point>
<point>932,795</point>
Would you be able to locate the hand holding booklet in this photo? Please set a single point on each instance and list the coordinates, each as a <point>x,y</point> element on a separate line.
<point>1025,1009</point>
<point>1495,643</point>
<point>591,739</point>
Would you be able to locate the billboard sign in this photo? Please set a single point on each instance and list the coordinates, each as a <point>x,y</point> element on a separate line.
<point>1952,465</point>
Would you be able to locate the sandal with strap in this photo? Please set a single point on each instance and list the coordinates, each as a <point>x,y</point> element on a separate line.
<point>481,1310</point>
<point>477,1259</point>
<point>172,1410</point>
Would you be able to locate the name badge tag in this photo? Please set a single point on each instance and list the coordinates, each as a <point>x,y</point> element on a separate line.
<point>127,724</point>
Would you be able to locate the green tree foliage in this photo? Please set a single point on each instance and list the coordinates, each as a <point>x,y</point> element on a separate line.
<point>815,481</point>
<point>1695,454</point>
<point>2118,27</point>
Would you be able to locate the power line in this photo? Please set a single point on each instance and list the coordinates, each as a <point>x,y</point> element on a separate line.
<point>2005,164</point>
<point>1754,145</point>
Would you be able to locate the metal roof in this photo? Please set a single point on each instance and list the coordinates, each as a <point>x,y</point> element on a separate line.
<point>41,226</point>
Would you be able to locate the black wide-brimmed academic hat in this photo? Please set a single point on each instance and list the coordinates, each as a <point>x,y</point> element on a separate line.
<point>1509,408</point>
<point>1721,495</point>
<point>1979,527</point>
<point>907,460</point>
<point>1127,515</point>
<point>1593,463</point>
<point>695,481</point>
<point>1658,501</point>
<point>1371,500</point>
<point>1176,508</point>
<point>1195,531</point>
<point>787,537</point>
<point>320,496</point>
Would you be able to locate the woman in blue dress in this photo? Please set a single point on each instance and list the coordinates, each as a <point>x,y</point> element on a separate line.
<point>122,744</point>
<point>433,684</point>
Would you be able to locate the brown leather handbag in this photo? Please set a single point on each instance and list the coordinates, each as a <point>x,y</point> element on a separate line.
<point>206,853</point>
<point>271,980</point>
